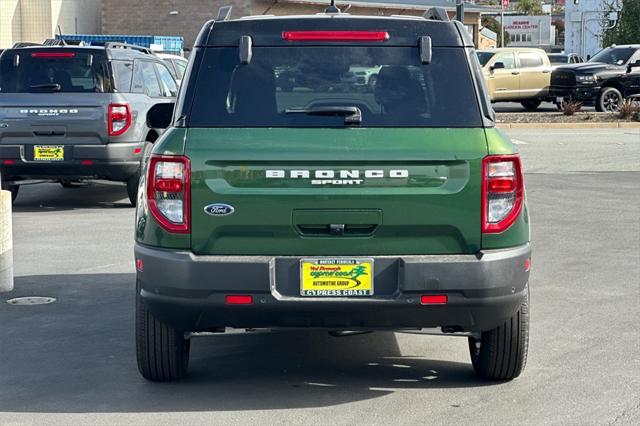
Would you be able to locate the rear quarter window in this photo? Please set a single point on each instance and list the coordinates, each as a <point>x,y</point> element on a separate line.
<point>122,75</point>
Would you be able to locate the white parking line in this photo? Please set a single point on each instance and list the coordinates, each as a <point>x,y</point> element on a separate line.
<point>519,142</point>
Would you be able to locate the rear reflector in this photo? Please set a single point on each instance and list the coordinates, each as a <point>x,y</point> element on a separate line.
<point>137,150</point>
<point>335,35</point>
<point>527,265</point>
<point>139,265</point>
<point>239,299</point>
<point>433,299</point>
<point>53,55</point>
<point>86,162</point>
<point>8,162</point>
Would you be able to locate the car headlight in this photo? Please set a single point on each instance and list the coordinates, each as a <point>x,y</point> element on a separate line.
<point>586,78</point>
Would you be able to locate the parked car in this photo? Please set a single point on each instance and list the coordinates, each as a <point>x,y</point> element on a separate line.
<point>71,113</point>
<point>517,74</point>
<point>605,80</point>
<point>400,209</point>
<point>176,64</point>
<point>564,58</point>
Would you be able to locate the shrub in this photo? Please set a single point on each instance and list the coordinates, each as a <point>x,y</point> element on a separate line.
<point>570,107</point>
<point>627,109</point>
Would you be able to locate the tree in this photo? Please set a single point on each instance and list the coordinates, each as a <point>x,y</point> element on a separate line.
<point>529,7</point>
<point>493,24</point>
<point>627,29</point>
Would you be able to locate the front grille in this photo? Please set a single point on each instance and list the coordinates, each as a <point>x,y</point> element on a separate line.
<point>563,78</point>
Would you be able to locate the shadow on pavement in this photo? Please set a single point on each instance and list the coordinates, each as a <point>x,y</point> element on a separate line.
<point>77,355</point>
<point>53,197</point>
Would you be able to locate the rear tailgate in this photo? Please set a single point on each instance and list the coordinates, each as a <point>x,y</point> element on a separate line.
<point>58,118</point>
<point>426,202</point>
<point>54,96</point>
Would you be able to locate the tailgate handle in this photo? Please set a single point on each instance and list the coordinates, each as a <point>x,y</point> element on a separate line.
<point>337,223</point>
<point>49,132</point>
<point>337,230</point>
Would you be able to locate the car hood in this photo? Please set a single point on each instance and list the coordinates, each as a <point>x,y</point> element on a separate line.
<point>588,67</point>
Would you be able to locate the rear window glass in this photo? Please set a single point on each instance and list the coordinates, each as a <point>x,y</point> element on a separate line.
<point>558,59</point>
<point>389,85</point>
<point>42,71</point>
<point>530,60</point>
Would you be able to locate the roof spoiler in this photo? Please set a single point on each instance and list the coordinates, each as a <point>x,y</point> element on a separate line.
<point>436,14</point>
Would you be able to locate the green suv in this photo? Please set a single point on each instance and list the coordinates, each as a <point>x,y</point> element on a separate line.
<point>285,194</point>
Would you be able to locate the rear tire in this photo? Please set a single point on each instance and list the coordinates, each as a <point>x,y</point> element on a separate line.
<point>162,352</point>
<point>502,352</point>
<point>531,104</point>
<point>132,188</point>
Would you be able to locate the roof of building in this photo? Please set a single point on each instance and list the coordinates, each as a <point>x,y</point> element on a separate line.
<point>402,4</point>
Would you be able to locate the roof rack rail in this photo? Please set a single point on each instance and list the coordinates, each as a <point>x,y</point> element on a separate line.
<point>224,13</point>
<point>436,14</point>
<point>54,42</point>
<point>24,44</point>
<point>118,45</point>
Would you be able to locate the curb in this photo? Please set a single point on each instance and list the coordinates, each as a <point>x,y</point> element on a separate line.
<point>6,243</point>
<point>611,125</point>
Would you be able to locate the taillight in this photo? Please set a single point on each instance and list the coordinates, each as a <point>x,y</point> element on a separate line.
<point>335,35</point>
<point>168,192</point>
<point>502,192</point>
<point>118,119</point>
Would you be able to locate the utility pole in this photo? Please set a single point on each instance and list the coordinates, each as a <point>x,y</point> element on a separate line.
<point>505,4</point>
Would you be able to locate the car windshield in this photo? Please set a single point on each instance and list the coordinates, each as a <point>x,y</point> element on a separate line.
<point>614,55</point>
<point>484,57</point>
<point>334,87</point>
<point>60,70</point>
<point>558,59</point>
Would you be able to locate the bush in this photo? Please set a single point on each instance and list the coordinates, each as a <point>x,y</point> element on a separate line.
<point>570,107</point>
<point>628,109</point>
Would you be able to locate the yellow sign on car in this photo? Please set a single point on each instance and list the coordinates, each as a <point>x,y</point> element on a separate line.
<point>336,277</point>
<point>48,152</point>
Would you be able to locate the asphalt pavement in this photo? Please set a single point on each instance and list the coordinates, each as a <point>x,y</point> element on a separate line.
<point>73,361</point>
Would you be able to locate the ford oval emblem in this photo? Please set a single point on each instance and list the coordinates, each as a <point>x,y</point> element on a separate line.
<point>219,209</point>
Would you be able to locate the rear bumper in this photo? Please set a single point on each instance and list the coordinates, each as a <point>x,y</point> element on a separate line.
<point>113,161</point>
<point>586,94</point>
<point>188,291</point>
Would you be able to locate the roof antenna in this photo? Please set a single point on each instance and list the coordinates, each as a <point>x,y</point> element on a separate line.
<point>332,8</point>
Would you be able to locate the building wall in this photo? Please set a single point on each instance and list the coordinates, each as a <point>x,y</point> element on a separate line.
<point>529,31</point>
<point>583,26</point>
<point>486,43</point>
<point>155,17</point>
<point>38,20</point>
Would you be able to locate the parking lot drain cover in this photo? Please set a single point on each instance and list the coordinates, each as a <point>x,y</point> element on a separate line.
<point>31,300</point>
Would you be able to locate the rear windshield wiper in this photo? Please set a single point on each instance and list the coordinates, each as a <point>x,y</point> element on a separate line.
<point>56,87</point>
<point>351,114</point>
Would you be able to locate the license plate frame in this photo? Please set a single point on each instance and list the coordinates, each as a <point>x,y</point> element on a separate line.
<point>48,152</point>
<point>337,277</point>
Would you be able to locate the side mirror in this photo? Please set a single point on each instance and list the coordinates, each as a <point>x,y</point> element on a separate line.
<point>632,65</point>
<point>497,66</point>
<point>160,116</point>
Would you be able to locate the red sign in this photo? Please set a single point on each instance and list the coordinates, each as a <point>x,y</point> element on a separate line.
<point>505,4</point>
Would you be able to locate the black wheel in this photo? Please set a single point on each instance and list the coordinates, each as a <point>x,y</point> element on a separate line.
<point>132,188</point>
<point>162,352</point>
<point>13,189</point>
<point>609,100</point>
<point>531,104</point>
<point>501,353</point>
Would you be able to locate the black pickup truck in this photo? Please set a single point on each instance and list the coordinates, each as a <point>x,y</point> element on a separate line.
<point>605,81</point>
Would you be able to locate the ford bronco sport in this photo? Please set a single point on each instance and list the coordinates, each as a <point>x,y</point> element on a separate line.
<point>71,113</point>
<point>333,205</point>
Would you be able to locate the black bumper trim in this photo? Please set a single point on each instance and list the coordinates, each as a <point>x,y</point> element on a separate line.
<point>188,291</point>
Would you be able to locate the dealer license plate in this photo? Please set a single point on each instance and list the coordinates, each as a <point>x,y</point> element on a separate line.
<point>48,152</point>
<point>336,277</point>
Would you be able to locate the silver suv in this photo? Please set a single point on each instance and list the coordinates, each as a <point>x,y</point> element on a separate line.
<point>72,113</point>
